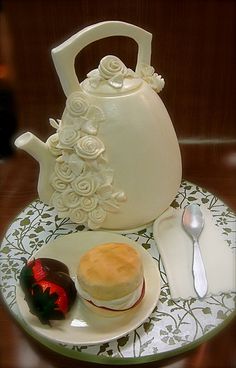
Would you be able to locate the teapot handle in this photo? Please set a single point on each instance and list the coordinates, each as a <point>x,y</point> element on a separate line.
<point>64,55</point>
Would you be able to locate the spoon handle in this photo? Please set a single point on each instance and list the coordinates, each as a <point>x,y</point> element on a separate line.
<point>199,274</point>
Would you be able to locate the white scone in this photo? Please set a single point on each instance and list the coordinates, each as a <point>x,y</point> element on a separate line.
<point>111,276</point>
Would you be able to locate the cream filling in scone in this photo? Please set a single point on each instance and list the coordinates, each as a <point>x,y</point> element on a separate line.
<point>123,303</point>
<point>111,276</point>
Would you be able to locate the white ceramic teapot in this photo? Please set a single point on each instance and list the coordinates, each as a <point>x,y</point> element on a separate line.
<point>114,161</point>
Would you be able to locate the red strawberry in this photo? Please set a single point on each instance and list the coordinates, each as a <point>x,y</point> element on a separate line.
<point>62,299</point>
<point>38,269</point>
<point>49,290</point>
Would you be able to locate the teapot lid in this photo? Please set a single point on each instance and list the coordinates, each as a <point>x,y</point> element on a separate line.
<point>111,77</point>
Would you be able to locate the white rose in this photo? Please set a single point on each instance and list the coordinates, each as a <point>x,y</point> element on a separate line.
<point>157,82</point>
<point>58,184</point>
<point>78,216</point>
<point>89,147</point>
<point>68,137</point>
<point>84,185</point>
<point>64,172</point>
<point>96,218</point>
<point>110,66</point>
<point>146,70</point>
<point>71,121</point>
<point>76,164</point>
<point>76,104</point>
<point>52,143</point>
<point>57,202</point>
<point>70,198</point>
<point>88,203</point>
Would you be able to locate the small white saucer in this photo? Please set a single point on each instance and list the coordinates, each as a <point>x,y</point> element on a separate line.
<point>82,326</point>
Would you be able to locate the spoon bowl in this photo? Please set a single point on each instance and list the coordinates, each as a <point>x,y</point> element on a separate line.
<point>193,223</point>
<point>193,220</point>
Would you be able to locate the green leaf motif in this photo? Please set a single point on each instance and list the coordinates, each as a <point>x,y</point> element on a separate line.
<point>123,340</point>
<point>146,245</point>
<point>156,319</point>
<point>163,300</point>
<point>188,187</point>
<point>175,204</point>
<point>148,326</point>
<point>103,348</point>
<point>191,199</point>
<point>227,230</point>
<point>192,300</point>
<point>5,250</point>
<point>169,328</point>
<point>45,215</point>
<point>205,200</point>
<point>25,221</point>
<point>79,348</point>
<point>206,310</point>
<point>39,229</point>
<point>174,309</point>
<point>143,231</point>
<point>30,212</point>
<point>221,315</point>
<point>51,209</point>
<point>32,236</point>
<point>178,338</point>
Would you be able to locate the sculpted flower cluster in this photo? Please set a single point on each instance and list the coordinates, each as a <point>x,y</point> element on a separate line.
<point>112,70</point>
<point>155,80</point>
<point>82,179</point>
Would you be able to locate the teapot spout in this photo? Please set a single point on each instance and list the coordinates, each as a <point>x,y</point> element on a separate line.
<point>32,145</point>
<point>40,152</point>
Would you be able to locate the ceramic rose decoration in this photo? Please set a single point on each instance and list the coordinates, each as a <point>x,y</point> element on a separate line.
<point>113,161</point>
<point>82,179</point>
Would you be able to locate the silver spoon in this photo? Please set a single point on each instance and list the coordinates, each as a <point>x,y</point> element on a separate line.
<point>193,223</point>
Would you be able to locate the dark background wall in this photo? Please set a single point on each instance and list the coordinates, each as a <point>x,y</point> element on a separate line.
<point>193,48</point>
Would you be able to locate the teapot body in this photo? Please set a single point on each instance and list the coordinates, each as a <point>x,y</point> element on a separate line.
<point>143,152</point>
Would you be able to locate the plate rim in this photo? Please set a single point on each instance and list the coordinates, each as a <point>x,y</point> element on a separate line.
<point>101,359</point>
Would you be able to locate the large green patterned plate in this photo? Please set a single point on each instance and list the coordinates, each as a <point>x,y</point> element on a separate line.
<point>172,328</point>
